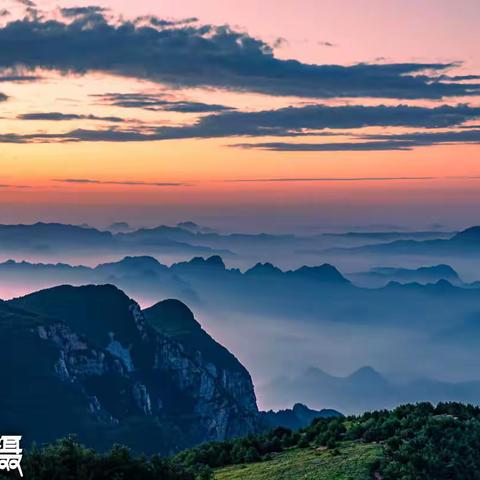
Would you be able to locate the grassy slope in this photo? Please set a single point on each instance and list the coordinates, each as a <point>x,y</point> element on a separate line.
<point>353,463</point>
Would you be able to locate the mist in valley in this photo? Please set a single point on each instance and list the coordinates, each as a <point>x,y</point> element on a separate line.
<point>303,329</point>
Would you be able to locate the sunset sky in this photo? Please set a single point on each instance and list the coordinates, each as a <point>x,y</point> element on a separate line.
<point>251,115</point>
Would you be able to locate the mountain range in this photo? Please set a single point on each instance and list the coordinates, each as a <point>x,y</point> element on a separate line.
<point>466,242</point>
<point>311,294</point>
<point>366,388</point>
<point>382,276</point>
<point>61,241</point>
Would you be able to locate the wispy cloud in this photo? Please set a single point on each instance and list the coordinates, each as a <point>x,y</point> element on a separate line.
<point>82,11</point>
<point>158,102</point>
<point>310,120</point>
<point>326,147</point>
<point>57,116</point>
<point>326,179</point>
<point>5,185</point>
<point>27,3</point>
<point>19,78</point>
<point>133,183</point>
<point>326,44</point>
<point>406,141</point>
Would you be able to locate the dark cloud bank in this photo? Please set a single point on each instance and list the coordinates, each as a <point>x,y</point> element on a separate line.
<point>310,120</point>
<point>187,54</point>
<point>376,142</point>
<point>57,116</point>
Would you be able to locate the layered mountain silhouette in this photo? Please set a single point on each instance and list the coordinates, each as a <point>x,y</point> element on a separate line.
<point>466,242</point>
<point>300,416</point>
<point>87,360</point>
<point>381,276</point>
<point>315,307</point>
<point>366,389</point>
<point>56,238</point>
<point>185,239</point>
<point>301,293</point>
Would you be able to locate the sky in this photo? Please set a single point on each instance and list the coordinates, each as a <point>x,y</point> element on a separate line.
<point>250,115</point>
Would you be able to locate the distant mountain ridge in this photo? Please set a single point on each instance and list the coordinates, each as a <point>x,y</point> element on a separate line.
<point>366,388</point>
<point>461,243</point>
<point>186,238</point>
<point>300,416</point>
<point>381,276</point>
<point>322,287</point>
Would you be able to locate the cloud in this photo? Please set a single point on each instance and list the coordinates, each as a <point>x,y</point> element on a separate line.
<point>327,179</point>
<point>27,3</point>
<point>326,147</point>
<point>80,11</point>
<point>116,182</point>
<point>292,121</point>
<point>161,22</point>
<point>375,142</point>
<point>57,116</point>
<point>4,185</point>
<point>19,78</point>
<point>310,120</point>
<point>432,138</point>
<point>191,55</point>
<point>158,103</point>
<point>326,44</point>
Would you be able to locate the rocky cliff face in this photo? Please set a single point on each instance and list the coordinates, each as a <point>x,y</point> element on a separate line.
<point>125,371</point>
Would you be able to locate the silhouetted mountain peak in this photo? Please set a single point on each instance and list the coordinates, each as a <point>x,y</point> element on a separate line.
<point>324,273</point>
<point>213,261</point>
<point>471,234</point>
<point>263,269</point>
<point>442,283</point>
<point>187,224</point>
<point>366,374</point>
<point>303,412</point>
<point>119,227</point>
<point>301,409</point>
<point>299,416</point>
<point>441,269</point>
<point>136,262</point>
<point>315,372</point>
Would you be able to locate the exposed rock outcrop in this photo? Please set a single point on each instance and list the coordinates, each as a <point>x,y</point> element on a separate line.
<point>122,368</point>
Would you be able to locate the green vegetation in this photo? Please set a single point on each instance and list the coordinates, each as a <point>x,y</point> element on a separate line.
<point>351,462</point>
<point>412,442</point>
<point>67,460</point>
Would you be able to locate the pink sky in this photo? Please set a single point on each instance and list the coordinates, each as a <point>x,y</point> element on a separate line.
<point>317,32</point>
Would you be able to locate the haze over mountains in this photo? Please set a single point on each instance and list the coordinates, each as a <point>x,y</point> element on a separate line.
<point>367,389</point>
<point>406,315</point>
<point>73,244</point>
<point>108,371</point>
